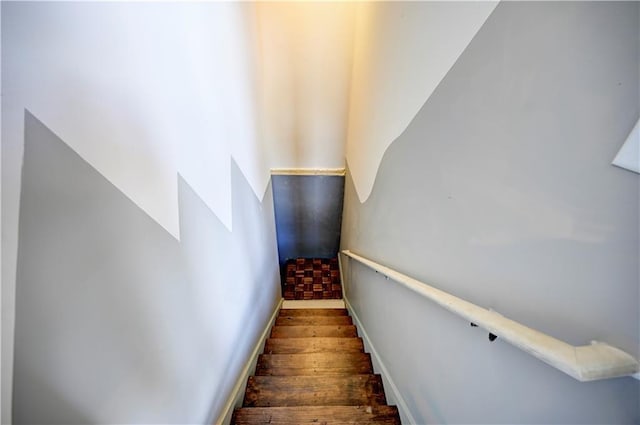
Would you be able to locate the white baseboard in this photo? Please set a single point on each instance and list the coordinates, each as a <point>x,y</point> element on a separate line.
<point>405,413</point>
<point>235,398</point>
<point>307,171</point>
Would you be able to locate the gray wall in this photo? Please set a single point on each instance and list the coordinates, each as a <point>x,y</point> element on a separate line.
<point>116,320</point>
<point>308,211</point>
<point>501,192</point>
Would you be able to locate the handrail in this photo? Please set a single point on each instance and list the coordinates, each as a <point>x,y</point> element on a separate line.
<point>584,363</point>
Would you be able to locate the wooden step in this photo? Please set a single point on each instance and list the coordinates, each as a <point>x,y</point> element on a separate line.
<point>352,390</point>
<point>313,320</point>
<point>339,331</point>
<point>313,345</point>
<point>314,364</point>
<point>365,415</point>
<point>313,312</point>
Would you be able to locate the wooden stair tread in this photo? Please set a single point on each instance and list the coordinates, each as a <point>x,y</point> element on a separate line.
<point>313,320</point>
<point>314,364</point>
<point>314,331</point>
<point>317,415</point>
<point>314,371</point>
<point>351,390</point>
<point>313,312</point>
<point>313,345</point>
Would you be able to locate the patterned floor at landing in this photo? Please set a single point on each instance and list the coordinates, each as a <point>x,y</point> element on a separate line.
<point>312,279</point>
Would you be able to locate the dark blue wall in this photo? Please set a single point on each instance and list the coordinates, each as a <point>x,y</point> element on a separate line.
<point>308,212</point>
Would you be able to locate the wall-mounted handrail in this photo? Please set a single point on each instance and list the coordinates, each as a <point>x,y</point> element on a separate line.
<point>584,363</point>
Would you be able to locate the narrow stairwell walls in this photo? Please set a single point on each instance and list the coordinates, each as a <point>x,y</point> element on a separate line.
<point>235,279</point>
<point>116,320</point>
<point>142,91</point>
<point>501,192</point>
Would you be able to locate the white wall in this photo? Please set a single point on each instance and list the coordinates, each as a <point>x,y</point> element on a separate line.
<point>500,191</point>
<point>142,91</point>
<point>402,52</point>
<point>146,91</point>
<point>116,321</point>
<point>628,157</point>
<point>305,52</point>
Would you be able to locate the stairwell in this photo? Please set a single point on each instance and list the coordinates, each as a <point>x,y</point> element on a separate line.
<point>314,370</point>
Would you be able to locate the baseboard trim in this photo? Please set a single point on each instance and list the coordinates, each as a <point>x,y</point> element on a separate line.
<point>405,413</point>
<point>308,171</point>
<point>238,390</point>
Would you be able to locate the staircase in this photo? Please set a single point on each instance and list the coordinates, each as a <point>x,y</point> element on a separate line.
<point>314,370</point>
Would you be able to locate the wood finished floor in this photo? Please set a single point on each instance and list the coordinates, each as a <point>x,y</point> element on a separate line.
<point>314,371</point>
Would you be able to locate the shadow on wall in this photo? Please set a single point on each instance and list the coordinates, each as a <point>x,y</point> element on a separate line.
<point>116,320</point>
<point>501,192</point>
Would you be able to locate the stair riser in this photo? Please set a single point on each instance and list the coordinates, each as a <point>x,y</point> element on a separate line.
<point>313,331</point>
<point>355,390</point>
<point>313,345</point>
<point>319,371</point>
<point>314,364</point>
<point>313,320</point>
<point>317,415</point>
<point>337,415</point>
<point>296,422</point>
<point>313,312</point>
